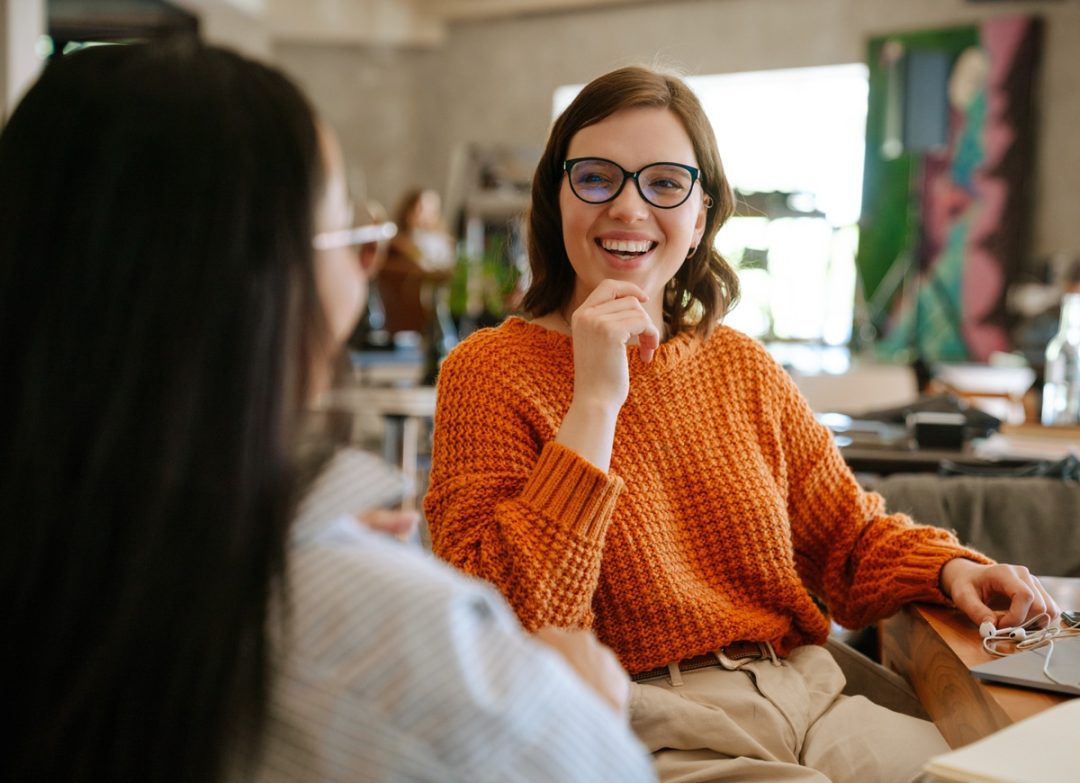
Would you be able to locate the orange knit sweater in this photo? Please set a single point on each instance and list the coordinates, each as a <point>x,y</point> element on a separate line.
<point>726,512</point>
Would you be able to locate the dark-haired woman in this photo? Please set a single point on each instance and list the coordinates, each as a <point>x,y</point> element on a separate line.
<point>623,462</point>
<point>176,275</point>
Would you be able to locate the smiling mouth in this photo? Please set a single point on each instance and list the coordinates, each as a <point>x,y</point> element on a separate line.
<point>626,248</point>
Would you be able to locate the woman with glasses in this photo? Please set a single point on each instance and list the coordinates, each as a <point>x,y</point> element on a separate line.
<point>621,461</point>
<point>182,600</point>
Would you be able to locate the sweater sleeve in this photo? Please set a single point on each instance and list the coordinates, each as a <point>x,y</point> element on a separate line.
<point>863,562</point>
<point>529,516</point>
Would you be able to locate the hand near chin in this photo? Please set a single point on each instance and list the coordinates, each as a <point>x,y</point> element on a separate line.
<point>602,326</point>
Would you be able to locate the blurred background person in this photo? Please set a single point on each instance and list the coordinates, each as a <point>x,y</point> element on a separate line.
<point>419,263</point>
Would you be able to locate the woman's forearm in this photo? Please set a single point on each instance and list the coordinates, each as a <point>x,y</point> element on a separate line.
<point>589,429</point>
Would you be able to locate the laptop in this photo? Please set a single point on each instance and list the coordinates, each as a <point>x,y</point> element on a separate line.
<point>1026,668</point>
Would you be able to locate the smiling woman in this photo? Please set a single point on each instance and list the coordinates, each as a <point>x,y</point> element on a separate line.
<point>624,461</point>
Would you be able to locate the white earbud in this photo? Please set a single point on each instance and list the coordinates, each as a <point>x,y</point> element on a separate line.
<point>988,631</point>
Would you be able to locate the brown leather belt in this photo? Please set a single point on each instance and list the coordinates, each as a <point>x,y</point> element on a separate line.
<point>736,651</point>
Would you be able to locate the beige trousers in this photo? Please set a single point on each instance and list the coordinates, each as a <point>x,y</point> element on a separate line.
<point>769,722</point>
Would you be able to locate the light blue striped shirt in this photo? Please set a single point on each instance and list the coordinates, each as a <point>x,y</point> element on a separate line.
<point>398,668</point>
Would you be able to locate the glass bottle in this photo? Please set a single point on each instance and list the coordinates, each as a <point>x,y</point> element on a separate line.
<point>1061,392</point>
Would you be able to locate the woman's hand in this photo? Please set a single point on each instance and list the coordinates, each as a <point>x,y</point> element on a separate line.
<point>602,326</point>
<point>973,587</point>
<point>399,524</point>
<point>592,661</point>
<point>609,318</point>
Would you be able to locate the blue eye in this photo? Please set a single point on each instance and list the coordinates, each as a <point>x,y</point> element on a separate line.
<point>666,184</point>
<point>593,179</point>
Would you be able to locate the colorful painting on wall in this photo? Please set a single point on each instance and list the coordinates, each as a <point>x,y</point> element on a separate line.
<point>947,197</point>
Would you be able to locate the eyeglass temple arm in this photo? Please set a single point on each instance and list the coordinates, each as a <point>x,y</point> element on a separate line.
<point>362,235</point>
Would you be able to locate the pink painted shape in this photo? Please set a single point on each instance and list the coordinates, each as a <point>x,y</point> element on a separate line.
<point>984,279</point>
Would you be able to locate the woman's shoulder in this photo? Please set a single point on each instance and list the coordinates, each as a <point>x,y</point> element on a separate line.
<point>736,346</point>
<point>349,581</point>
<point>513,342</point>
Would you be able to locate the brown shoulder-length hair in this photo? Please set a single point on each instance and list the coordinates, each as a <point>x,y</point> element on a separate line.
<point>705,287</point>
<point>406,209</point>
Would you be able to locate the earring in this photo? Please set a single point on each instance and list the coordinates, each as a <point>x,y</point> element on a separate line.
<point>708,201</point>
<point>691,251</point>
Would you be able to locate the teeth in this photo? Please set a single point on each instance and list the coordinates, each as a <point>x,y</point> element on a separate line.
<point>626,246</point>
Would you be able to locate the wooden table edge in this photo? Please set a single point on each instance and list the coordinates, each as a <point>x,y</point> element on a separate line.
<point>934,647</point>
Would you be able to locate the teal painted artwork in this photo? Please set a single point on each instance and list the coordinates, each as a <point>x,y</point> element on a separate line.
<point>946,220</point>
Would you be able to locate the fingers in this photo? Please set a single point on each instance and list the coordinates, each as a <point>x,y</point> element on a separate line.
<point>648,342</point>
<point>613,289</point>
<point>1022,603</point>
<point>967,600</point>
<point>1029,597</point>
<point>974,586</point>
<point>616,307</point>
<point>608,307</point>
<point>1052,607</point>
<point>400,524</point>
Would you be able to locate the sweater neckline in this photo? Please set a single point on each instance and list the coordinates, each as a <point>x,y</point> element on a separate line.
<point>671,352</point>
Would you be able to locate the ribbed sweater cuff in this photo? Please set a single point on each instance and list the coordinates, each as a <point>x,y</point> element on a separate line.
<point>921,570</point>
<point>567,487</point>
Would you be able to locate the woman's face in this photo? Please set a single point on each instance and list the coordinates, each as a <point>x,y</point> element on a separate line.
<point>428,211</point>
<point>628,238</point>
<point>340,278</point>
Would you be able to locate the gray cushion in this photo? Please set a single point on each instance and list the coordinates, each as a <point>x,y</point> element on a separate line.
<point>1027,521</point>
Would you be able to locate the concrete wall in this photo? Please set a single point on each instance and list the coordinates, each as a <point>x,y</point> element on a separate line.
<point>3,59</point>
<point>22,22</point>
<point>372,97</point>
<point>402,112</point>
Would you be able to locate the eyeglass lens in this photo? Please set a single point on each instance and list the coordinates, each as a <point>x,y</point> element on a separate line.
<point>664,185</point>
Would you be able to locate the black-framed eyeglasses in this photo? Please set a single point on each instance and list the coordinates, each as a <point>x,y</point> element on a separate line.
<point>598,180</point>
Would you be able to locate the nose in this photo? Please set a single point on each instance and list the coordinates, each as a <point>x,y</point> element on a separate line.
<point>629,206</point>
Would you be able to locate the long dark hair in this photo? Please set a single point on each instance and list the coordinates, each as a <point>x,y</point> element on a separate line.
<point>705,287</point>
<point>157,305</point>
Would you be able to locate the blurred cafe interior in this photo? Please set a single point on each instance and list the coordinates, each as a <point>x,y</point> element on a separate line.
<point>907,226</point>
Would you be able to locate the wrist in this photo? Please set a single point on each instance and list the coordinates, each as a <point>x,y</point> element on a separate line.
<point>599,407</point>
<point>949,572</point>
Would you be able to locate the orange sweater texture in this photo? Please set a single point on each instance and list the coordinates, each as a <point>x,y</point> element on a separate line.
<point>726,511</point>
